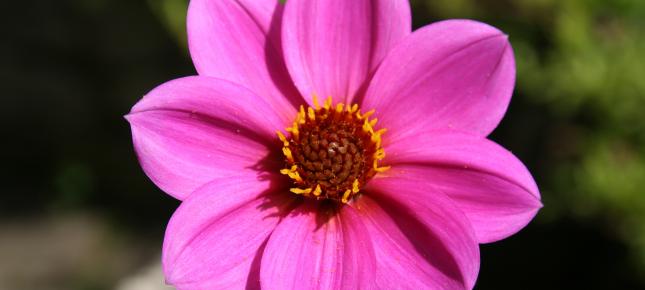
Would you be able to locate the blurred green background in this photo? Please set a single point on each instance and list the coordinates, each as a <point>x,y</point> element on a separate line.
<point>78,213</point>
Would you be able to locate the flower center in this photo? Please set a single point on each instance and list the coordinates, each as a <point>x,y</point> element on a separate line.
<point>331,152</point>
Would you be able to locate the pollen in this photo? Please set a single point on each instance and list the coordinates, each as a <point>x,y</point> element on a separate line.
<point>332,151</point>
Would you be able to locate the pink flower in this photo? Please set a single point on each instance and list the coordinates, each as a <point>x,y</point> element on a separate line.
<point>332,201</point>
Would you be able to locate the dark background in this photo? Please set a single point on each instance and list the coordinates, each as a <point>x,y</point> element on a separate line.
<point>77,212</point>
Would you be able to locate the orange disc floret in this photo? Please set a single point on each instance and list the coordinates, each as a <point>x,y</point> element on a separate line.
<point>331,152</point>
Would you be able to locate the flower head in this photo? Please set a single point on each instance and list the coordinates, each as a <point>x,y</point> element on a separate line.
<point>386,181</point>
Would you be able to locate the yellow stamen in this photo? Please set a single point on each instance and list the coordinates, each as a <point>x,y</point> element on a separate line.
<point>300,190</point>
<point>283,138</point>
<point>339,108</point>
<point>381,169</point>
<point>292,173</point>
<point>355,186</point>
<point>380,132</point>
<point>287,152</point>
<point>352,108</point>
<point>328,103</point>
<point>366,115</point>
<point>302,115</point>
<point>286,171</point>
<point>367,128</point>
<point>316,103</point>
<point>379,154</point>
<point>317,191</point>
<point>345,196</point>
<point>376,138</point>
<point>295,176</point>
<point>311,114</point>
<point>294,130</point>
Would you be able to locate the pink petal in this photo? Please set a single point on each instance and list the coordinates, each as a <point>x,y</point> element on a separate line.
<point>228,40</point>
<point>421,239</point>
<point>214,237</point>
<point>188,131</point>
<point>313,249</point>
<point>490,185</point>
<point>409,255</point>
<point>451,74</point>
<point>331,47</point>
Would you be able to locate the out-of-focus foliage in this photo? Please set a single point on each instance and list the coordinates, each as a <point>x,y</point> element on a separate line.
<point>173,14</point>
